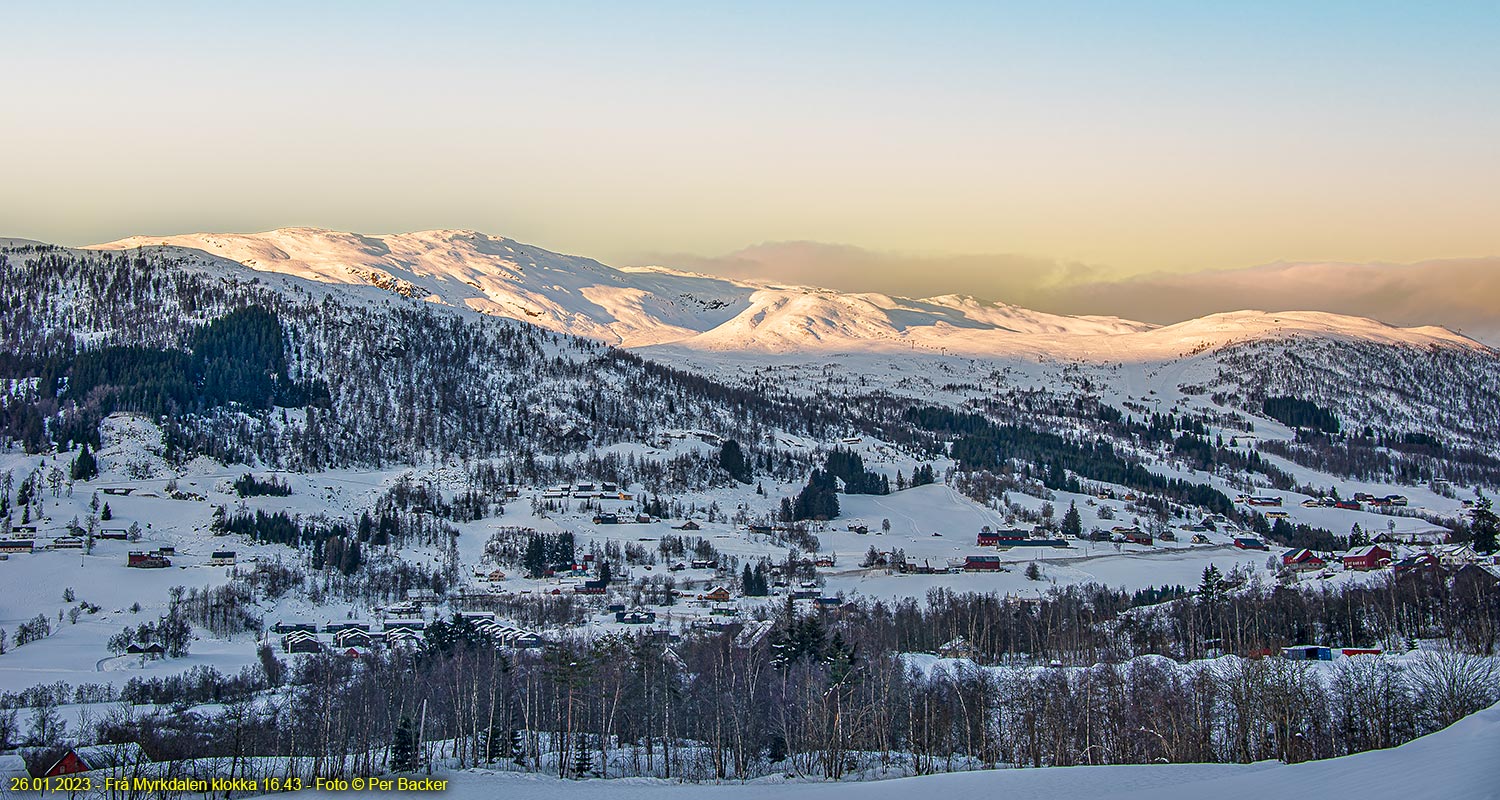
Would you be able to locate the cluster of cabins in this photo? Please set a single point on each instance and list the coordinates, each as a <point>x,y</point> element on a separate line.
<point>1459,560</point>
<point>586,491</point>
<point>354,639</point>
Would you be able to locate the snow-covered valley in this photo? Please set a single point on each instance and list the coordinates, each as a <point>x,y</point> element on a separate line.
<point>277,439</point>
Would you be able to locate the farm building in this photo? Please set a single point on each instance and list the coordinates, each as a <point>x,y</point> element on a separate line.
<point>988,538</point>
<point>982,563</point>
<point>155,560</point>
<point>17,545</point>
<point>1249,543</point>
<point>99,756</point>
<point>1371,556</point>
<point>221,558</point>
<point>1303,560</point>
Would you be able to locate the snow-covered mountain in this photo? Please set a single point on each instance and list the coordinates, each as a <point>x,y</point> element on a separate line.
<point>645,306</point>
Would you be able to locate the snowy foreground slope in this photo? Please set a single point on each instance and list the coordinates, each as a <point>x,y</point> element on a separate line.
<point>651,306</point>
<point>1457,762</point>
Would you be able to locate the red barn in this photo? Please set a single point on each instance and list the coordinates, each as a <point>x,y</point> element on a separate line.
<point>982,563</point>
<point>1371,556</point>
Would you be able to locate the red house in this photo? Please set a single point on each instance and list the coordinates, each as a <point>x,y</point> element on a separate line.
<point>99,756</point>
<point>1371,556</point>
<point>982,563</point>
<point>997,538</point>
<point>1302,560</point>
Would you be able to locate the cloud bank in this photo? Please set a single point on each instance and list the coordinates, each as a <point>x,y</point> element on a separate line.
<point>1461,294</point>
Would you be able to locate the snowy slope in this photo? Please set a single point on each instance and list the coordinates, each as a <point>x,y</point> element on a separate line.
<point>1457,762</point>
<point>652,306</point>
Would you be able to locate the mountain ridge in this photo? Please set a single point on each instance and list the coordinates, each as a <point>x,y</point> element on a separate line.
<point>651,306</point>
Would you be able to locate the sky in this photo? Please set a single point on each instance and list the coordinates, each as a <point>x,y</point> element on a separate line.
<point>1060,152</point>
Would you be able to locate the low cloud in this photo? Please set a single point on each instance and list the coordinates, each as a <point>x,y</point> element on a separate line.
<point>1003,276</point>
<point>1461,294</point>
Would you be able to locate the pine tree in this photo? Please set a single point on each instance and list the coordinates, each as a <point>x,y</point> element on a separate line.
<point>1211,588</point>
<point>404,755</point>
<point>583,763</point>
<point>106,515</point>
<point>517,747</point>
<point>732,460</point>
<point>497,743</point>
<point>1483,525</point>
<point>1072,524</point>
<point>84,466</point>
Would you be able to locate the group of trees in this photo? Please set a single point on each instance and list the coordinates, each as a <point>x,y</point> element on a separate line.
<point>248,485</point>
<point>544,551</point>
<point>819,499</point>
<point>755,579</point>
<point>827,694</point>
<point>330,545</point>
<point>1298,413</point>
<point>1061,463</point>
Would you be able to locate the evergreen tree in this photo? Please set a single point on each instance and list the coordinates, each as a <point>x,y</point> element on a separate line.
<point>84,466</point>
<point>404,744</point>
<point>517,747</point>
<point>583,762</point>
<point>106,515</point>
<point>732,460</point>
<point>1211,588</point>
<point>535,558</point>
<point>1483,525</point>
<point>1072,524</point>
<point>497,743</point>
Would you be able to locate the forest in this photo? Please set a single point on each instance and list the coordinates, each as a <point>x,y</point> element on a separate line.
<point>1085,676</point>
